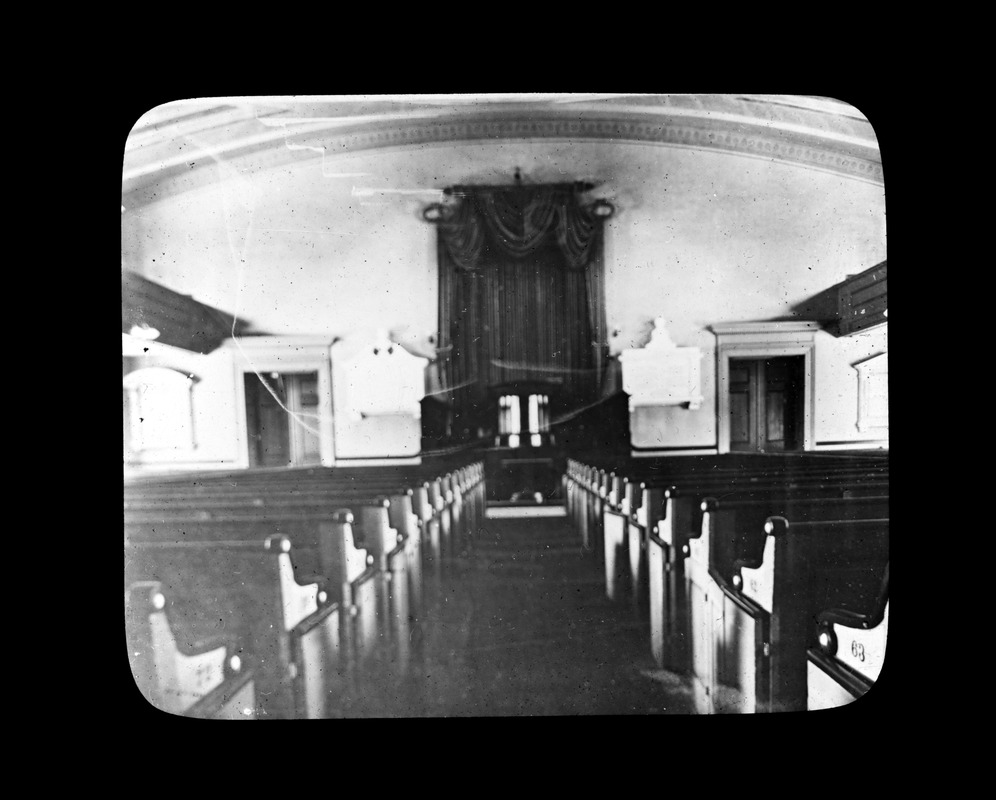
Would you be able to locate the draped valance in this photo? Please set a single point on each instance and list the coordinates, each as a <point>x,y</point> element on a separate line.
<point>517,220</point>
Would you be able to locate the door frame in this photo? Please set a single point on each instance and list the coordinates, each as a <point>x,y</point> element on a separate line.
<point>284,354</point>
<point>764,340</point>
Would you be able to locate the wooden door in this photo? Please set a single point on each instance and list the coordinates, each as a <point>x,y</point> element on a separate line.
<point>302,400</point>
<point>766,396</point>
<point>282,419</point>
<point>268,433</point>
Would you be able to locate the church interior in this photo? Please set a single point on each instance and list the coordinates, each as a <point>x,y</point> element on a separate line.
<point>504,405</point>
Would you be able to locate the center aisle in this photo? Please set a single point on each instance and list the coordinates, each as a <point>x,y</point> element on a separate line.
<point>522,627</point>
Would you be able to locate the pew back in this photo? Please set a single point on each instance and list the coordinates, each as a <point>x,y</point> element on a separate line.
<point>764,622</point>
<point>260,611</point>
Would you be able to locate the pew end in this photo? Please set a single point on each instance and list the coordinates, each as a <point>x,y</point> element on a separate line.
<point>846,658</point>
<point>198,677</point>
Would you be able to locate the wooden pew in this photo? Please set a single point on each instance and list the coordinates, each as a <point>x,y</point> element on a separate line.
<point>634,519</point>
<point>440,500</point>
<point>397,583</point>
<point>612,517</point>
<point>458,496</point>
<point>665,541</point>
<point>587,486</point>
<point>372,575</point>
<point>328,547</point>
<point>433,508</point>
<point>593,499</point>
<point>846,656</point>
<point>284,632</point>
<point>641,506</point>
<point>430,526</point>
<point>579,483</point>
<point>200,678</point>
<point>575,495</point>
<point>626,516</point>
<point>450,488</point>
<point>568,487</point>
<point>222,501</point>
<point>753,593</point>
<point>614,499</point>
<point>289,480</point>
<point>680,520</point>
<point>300,491</point>
<point>731,536</point>
<point>472,498</point>
<point>382,599</point>
<point>443,518</point>
<point>614,531</point>
<point>596,501</point>
<point>367,634</point>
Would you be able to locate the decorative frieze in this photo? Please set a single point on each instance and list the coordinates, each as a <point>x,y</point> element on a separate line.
<point>820,137</point>
<point>760,139</point>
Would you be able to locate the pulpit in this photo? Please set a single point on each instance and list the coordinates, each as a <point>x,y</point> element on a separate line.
<point>525,462</point>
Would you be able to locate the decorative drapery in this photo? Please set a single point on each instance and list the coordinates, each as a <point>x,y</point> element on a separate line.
<point>517,220</point>
<point>521,294</point>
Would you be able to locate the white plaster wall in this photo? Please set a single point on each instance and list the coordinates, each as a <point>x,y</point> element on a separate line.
<point>338,248</point>
<point>743,241</point>
<point>836,385</point>
<point>724,239</point>
<point>291,255</point>
<point>384,435</point>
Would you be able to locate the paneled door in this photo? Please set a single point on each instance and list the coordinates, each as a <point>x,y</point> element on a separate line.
<point>766,396</point>
<point>282,419</point>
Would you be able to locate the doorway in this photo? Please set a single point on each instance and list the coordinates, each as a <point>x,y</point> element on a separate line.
<point>767,341</point>
<point>766,404</point>
<point>282,419</point>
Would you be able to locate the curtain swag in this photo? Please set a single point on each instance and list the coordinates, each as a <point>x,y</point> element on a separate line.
<point>517,220</point>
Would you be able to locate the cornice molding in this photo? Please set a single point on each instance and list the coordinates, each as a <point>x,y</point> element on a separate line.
<point>743,137</point>
<point>764,328</point>
<point>820,140</point>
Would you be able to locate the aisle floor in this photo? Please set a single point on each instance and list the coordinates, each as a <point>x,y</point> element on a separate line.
<point>520,626</point>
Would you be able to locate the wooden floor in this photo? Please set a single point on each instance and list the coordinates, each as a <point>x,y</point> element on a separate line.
<point>521,627</point>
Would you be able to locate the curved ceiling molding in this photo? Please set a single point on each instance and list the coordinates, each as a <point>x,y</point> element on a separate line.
<point>743,138</point>
<point>814,133</point>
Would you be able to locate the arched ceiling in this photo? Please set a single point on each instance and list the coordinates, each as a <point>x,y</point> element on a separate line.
<point>255,205</point>
<point>175,147</point>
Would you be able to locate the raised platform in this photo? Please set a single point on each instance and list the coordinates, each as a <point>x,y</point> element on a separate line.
<point>522,511</point>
